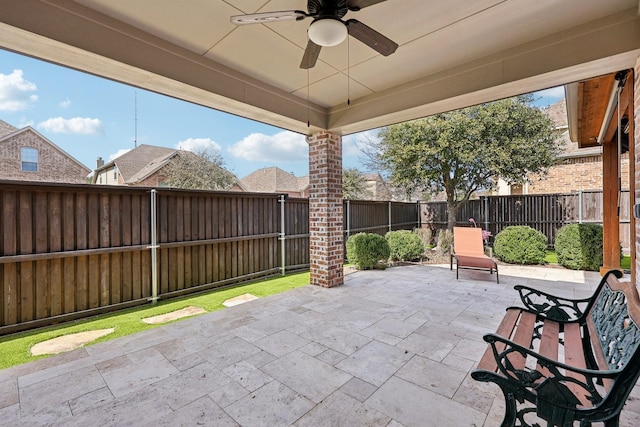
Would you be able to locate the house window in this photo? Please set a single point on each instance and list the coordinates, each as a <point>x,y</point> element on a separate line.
<point>29,159</point>
<point>115,172</point>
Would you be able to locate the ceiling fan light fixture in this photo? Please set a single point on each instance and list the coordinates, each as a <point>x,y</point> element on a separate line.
<point>327,32</point>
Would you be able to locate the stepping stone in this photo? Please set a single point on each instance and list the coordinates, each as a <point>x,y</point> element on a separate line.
<point>178,314</point>
<point>240,299</point>
<point>68,342</point>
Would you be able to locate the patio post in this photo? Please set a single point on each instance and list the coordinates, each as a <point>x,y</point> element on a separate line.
<point>326,238</point>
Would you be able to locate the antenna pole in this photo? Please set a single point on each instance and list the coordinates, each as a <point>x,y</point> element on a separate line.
<point>135,118</point>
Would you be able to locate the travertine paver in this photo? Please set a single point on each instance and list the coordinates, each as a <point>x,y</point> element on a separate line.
<point>390,348</point>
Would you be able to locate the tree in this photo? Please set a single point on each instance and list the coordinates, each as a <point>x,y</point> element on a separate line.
<point>354,184</point>
<point>463,151</point>
<point>201,170</point>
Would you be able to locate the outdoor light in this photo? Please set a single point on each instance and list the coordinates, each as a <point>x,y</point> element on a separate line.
<point>327,32</point>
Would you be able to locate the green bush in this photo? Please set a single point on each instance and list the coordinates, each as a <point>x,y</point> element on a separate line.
<point>404,245</point>
<point>367,250</point>
<point>579,246</point>
<point>520,245</point>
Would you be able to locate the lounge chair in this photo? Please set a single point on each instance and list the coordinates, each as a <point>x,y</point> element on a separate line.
<point>468,250</point>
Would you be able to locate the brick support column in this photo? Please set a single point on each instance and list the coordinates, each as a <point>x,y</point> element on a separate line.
<point>325,209</point>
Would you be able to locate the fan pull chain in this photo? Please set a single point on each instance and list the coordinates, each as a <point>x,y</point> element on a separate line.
<point>348,70</point>
<point>308,106</point>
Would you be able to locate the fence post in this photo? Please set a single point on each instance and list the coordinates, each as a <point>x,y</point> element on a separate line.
<point>419,215</point>
<point>348,230</point>
<point>580,207</point>
<point>282,236</point>
<point>389,216</point>
<point>486,213</point>
<point>154,249</point>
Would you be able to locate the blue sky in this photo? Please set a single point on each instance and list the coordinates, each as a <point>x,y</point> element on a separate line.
<point>92,117</point>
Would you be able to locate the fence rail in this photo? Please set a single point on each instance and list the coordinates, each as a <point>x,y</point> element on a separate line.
<point>73,251</point>
<point>546,213</point>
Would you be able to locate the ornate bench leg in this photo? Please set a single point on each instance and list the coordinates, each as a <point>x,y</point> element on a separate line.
<point>510,411</point>
<point>613,422</point>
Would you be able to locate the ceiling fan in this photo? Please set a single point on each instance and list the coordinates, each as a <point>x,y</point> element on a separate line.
<point>327,28</point>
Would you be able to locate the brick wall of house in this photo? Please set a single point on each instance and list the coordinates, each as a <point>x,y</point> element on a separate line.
<point>326,242</point>
<point>577,174</point>
<point>53,164</point>
<point>155,180</point>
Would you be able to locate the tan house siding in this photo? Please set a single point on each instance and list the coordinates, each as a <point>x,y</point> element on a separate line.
<point>54,165</point>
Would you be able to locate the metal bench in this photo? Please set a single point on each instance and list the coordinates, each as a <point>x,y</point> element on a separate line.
<point>565,360</point>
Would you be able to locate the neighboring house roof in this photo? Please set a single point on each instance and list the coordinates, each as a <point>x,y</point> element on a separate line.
<point>6,128</point>
<point>137,164</point>
<point>274,180</point>
<point>8,132</point>
<point>558,114</point>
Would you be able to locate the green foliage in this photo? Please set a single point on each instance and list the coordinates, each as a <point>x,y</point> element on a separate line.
<point>354,185</point>
<point>367,250</point>
<point>520,244</point>
<point>201,170</point>
<point>461,151</point>
<point>404,245</point>
<point>579,246</point>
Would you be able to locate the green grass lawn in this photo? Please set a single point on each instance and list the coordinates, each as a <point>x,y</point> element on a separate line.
<point>15,348</point>
<point>552,258</point>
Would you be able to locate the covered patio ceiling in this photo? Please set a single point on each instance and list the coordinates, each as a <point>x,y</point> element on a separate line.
<point>451,53</point>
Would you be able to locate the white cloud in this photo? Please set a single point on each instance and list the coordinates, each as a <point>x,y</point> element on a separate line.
<point>118,153</point>
<point>282,147</point>
<point>66,103</point>
<point>16,93</point>
<point>554,92</point>
<point>76,125</point>
<point>198,145</point>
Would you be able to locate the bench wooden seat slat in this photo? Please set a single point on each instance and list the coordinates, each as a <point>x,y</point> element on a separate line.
<point>523,337</point>
<point>549,343</point>
<point>574,356</point>
<point>505,329</point>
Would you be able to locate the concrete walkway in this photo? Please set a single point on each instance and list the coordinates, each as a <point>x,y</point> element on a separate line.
<point>389,348</point>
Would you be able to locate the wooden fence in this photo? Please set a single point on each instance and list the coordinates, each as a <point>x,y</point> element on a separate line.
<point>544,212</point>
<point>72,251</point>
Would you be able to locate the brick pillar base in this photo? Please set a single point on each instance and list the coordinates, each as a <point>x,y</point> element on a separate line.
<point>325,209</point>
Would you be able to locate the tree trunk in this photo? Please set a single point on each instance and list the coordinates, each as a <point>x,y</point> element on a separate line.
<point>451,215</point>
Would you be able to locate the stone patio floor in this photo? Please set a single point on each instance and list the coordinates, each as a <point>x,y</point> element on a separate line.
<point>389,348</point>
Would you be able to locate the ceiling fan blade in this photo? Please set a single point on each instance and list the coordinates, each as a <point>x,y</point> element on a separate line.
<point>267,17</point>
<point>310,56</point>
<point>360,4</point>
<point>371,37</point>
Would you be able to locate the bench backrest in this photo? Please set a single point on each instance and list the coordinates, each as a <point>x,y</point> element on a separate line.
<point>613,322</point>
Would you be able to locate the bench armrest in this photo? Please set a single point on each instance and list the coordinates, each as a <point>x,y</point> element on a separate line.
<point>578,383</point>
<point>551,306</point>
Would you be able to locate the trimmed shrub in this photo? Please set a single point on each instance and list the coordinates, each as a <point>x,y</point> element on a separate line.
<point>367,250</point>
<point>579,246</point>
<point>404,245</point>
<point>520,244</point>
